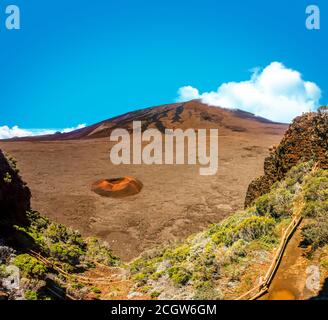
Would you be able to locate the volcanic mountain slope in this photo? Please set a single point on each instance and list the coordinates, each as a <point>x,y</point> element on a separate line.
<point>192,114</point>
<point>175,200</point>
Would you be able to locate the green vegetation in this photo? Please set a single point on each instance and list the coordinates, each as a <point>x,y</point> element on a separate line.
<point>179,275</point>
<point>207,292</point>
<point>66,246</point>
<point>12,162</point>
<point>275,204</point>
<point>100,253</point>
<point>7,178</point>
<point>316,209</point>
<point>31,295</point>
<point>324,263</point>
<point>248,229</point>
<point>30,267</point>
<point>3,272</point>
<point>155,294</point>
<point>62,246</point>
<point>95,290</point>
<point>209,264</point>
<point>66,253</point>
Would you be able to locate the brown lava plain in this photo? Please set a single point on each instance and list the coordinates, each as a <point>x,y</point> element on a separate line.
<point>175,200</point>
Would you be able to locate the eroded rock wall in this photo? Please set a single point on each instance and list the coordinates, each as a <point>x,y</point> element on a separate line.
<point>306,139</point>
<point>14,194</point>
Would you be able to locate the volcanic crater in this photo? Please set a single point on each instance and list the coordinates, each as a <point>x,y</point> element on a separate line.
<point>117,187</point>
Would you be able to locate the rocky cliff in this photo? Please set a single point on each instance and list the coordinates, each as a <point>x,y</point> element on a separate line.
<point>14,194</point>
<point>306,139</point>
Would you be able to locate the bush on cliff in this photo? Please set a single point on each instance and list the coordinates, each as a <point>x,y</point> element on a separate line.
<point>30,267</point>
<point>66,245</point>
<point>315,233</point>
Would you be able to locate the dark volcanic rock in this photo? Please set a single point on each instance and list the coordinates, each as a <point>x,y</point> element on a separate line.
<point>14,194</point>
<point>306,139</point>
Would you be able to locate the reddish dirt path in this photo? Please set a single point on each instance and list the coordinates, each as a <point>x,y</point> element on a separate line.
<point>290,279</point>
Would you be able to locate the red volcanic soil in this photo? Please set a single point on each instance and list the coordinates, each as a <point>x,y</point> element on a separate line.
<point>175,200</point>
<point>118,187</point>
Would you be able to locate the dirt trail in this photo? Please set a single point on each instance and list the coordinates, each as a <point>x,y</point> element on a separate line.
<point>290,279</point>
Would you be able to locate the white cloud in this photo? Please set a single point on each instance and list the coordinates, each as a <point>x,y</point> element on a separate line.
<point>276,93</point>
<point>188,93</point>
<point>7,132</point>
<point>80,126</point>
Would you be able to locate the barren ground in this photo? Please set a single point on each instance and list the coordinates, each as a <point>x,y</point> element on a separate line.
<point>174,202</point>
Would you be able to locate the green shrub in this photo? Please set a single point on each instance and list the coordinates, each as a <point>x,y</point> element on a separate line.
<point>236,251</point>
<point>221,233</point>
<point>278,203</point>
<point>207,292</point>
<point>179,254</point>
<point>30,266</point>
<point>136,265</point>
<point>313,209</point>
<point>248,229</point>
<point>316,233</point>
<point>67,253</point>
<point>179,275</point>
<point>316,188</point>
<point>156,275</point>
<point>262,205</point>
<point>100,253</point>
<point>252,228</point>
<point>145,288</point>
<point>296,175</point>
<point>95,290</point>
<point>202,273</point>
<point>59,233</point>
<point>141,278</point>
<point>316,208</point>
<point>12,162</point>
<point>267,242</point>
<point>37,221</point>
<point>66,245</point>
<point>324,263</point>
<point>30,295</point>
<point>77,286</point>
<point>155,294</point>
<point>7,178</point>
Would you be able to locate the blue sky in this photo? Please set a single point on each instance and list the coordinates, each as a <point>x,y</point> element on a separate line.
<point>76,62</point>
